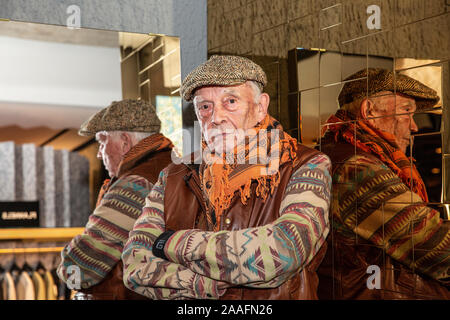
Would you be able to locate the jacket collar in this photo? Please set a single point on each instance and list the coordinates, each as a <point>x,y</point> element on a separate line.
<point>142,149</point>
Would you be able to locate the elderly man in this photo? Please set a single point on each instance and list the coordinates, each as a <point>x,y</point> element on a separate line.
<point>386,242</point>
<point>233,227</point>
<point>133,152</point>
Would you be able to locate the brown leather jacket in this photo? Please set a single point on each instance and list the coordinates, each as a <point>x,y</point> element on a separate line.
<point>144,162</point>
<point>185,208</point>
<point>343,272</point>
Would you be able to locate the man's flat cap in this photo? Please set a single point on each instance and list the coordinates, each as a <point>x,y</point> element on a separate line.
<point>222,71</point>
<point>373,80</point>
<point>124,115</point>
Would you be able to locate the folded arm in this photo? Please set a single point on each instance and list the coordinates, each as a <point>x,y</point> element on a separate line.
<point>98,249</point>
<point>393,217</point>
<point>154,277</point>
<point>264,256</point>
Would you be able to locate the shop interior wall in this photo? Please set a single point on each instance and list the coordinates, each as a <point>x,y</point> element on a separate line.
<point>185,19</point>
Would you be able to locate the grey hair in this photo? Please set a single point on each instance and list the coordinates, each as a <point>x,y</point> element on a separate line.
<point>138,136</point>
<point>135,136</point>
<point>256,90</point>
<point>354,107</point>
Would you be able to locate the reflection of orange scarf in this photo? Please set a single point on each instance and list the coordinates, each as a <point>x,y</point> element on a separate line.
<point>101,193</point>
<point>381,144</point>
<point>154,143</point>
<point>221,179</point>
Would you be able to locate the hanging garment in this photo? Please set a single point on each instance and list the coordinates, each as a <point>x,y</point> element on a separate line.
<point>39,286</point>
<point>25,287</point>
<point>8,287</point>
<point>51,287</point>
<point>63,293</point>
<point>1,287</point>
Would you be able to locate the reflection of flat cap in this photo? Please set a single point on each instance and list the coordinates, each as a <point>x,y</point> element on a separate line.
<point>124,115</point>
<point>222,71</point>
<point>375,80</point>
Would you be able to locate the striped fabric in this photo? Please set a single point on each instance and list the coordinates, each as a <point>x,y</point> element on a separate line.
<point>260,257</point>
<point>100,246</point>
<point>373,202</point>
<point>379,143</point>
<point>154,277</point>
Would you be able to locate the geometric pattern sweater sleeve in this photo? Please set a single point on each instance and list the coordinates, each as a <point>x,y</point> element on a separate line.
<point>202,264</point>
<point>268,255</point>
<point>98,249</point>
<point>152,276</point>
<point>373,202</point>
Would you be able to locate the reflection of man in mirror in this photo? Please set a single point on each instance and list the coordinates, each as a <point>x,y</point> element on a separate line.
<point>379,213</point>
<point>133,152</point>
<point>231,228</point>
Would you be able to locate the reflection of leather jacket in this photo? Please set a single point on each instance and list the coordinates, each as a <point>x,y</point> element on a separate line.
<point>184,208</point>
<point>148,166</point>
<point>350,274</point>
<point>343,273</point>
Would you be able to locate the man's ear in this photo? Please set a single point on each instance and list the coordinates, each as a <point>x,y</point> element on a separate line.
<point>367,110</point>
<point>263,105</point>
<point>127,142</point>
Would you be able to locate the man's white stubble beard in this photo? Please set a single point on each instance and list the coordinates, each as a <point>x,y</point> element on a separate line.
<point>236,142</point>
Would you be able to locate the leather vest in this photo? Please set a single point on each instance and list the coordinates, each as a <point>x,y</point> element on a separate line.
<point>112,287</point>
<point>185,208</point>
<point>343,273</point>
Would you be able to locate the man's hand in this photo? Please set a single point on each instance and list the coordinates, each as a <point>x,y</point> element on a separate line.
<point>157,278</point>
<point>154,277</point>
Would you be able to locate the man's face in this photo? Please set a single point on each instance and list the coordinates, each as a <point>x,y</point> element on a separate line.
<point>225,112</point>
<point>110,151</point>
<point>400,121</point>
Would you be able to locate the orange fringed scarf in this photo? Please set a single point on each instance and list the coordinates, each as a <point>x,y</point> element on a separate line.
<point>379,143</point>
<point>221,178</point>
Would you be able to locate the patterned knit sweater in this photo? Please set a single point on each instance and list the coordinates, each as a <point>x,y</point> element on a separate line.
<point>204,263</point>
<point>369,200</point>
<point>99,248</point>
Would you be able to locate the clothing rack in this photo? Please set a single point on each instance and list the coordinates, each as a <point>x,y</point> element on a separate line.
<point>40,234</point>
<point>32,278</point>
<point>31,250</point>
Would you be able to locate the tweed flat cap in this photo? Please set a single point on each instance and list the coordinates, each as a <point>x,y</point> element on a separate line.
<point>124,115</point>
<point>377,80</point>
<point>222,71</point>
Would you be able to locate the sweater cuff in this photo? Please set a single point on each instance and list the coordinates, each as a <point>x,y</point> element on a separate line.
<point>160,242</point>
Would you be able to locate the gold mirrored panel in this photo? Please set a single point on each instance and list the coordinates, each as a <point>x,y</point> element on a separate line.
<point>317,76</point>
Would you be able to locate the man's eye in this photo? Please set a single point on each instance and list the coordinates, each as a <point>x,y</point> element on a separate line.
<point>232,100</point>
<point>204,107</point>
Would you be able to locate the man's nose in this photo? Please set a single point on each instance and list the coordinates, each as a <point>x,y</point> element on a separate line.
<point>219,115</point>
<point>413,126</point>
<point>99,155</point>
